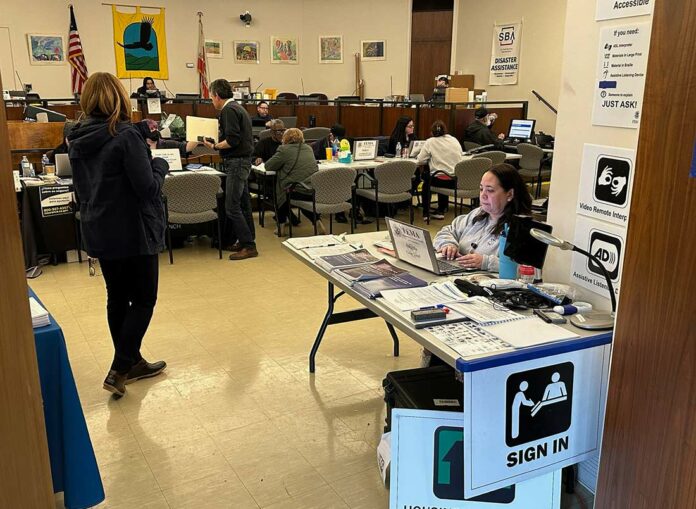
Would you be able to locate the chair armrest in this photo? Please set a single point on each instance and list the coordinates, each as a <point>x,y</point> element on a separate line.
<point>366,176</point>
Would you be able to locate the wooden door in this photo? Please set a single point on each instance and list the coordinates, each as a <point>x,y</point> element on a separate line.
<point>431,48</point>
<point>649,451</point>
<point>25,474</point>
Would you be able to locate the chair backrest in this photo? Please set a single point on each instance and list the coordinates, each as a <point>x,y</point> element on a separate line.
<point>285,97</point>
<point>191,193</point>
<point>289,122</point>
<point>266,133</point>
<point>333,185</point>
<point>202,150</point>
<point>496,156</point>
<point>395,176</point>
<point>315,133</point>
<point>322,98</point>
<point>531,156</point>
<point>470,145</point>
<point>469,172</point>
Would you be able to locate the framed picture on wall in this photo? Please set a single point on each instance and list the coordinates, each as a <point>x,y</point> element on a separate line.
<point>46,49</point>
<point>284,50</point>
<point>373,50</point>
<point>213,49</point>
<point>246,52</point>
<point>330,49</point>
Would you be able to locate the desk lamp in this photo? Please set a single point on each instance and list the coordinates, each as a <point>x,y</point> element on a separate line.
<point>594,320</point>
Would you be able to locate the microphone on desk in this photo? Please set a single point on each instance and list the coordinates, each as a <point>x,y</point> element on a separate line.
<point>257,90</point>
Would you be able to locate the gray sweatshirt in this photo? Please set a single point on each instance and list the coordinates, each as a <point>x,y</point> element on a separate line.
<point>463,232</point>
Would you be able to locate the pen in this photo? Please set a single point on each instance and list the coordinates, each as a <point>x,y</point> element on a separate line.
<point>437,306</point>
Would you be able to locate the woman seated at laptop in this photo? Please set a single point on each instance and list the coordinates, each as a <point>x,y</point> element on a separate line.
<point>293,162</point>
<point>441,152</point>
<point>403,134</point>
<point>472,239</point>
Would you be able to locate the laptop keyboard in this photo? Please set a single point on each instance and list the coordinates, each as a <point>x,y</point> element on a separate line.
<point>446,267</point>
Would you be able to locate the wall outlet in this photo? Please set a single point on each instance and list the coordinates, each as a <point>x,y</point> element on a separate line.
<point>189,65</point>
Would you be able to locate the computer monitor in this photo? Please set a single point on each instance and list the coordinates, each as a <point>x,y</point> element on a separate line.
<point>308,100</point>
<point>521,129</point>
<point>179,98</point>
<point>31,111</point>
<point>289,122</point>
<point>416,98</point>
<point>348,98</point>
<point>521,247</point>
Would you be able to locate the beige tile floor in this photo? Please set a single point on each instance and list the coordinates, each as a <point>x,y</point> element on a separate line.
<point>236,421</point>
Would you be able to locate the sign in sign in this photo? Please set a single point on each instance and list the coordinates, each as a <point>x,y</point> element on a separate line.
<point>606,242</point>
<point>55,200</point>
<point>621,65</point>
<point>427,468</point>
<point>505,54</point>
<point>612,9</point>
<point>154,107</point>
<point>527,419</point>
<point>606,180</point>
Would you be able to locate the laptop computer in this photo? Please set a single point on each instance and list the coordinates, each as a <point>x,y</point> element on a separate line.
<point>63,167</point>
<point>413,245</point>
<point>414,147</point>
<point>258,122</point>
<point>289,122</point>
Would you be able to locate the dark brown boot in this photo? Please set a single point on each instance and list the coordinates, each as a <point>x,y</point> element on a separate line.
<point>244,253</point>
<point>115,382</point>
<point>144,369</point>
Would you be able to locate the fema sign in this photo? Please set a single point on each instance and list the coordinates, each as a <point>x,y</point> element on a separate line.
<point>427,468</point>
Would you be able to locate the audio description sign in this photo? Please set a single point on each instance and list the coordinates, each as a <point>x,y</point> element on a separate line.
<point>606,180</point>
<point>605,241</point>
<point>622,61</point>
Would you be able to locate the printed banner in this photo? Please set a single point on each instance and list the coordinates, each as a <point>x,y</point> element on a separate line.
<point>505,55</point>
<point>55,200</point>
<point>621,65</point>
<point>140,44</point>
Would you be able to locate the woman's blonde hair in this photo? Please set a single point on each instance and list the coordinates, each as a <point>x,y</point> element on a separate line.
<point>292,135</point>
<point>104,96</point>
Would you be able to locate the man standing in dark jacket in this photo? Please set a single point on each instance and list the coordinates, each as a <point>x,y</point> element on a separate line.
<point>479,130</point>
<point>235,146</point>
<point>118,187</point>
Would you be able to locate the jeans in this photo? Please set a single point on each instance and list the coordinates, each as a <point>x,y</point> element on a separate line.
<point>131,290</point>
<point>238,201</point>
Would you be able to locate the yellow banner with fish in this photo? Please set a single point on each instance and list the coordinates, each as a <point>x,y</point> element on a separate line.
<point>140,44</point>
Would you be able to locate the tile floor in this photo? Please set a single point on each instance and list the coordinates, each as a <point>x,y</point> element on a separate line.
<point>236,421</point>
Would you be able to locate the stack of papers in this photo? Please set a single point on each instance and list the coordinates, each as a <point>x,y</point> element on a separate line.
<point>315,241</point>
<point>416,298</point>
<point>39,315</point>
<point>344,261</point>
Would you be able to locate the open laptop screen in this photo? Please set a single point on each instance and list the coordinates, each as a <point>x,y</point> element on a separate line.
<point>521,129</point>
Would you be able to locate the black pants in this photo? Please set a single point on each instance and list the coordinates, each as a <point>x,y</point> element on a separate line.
<point>442,199</point>
<point>131,290</point>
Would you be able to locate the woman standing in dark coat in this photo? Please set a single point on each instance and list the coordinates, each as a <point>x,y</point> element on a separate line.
<point>118,188</point>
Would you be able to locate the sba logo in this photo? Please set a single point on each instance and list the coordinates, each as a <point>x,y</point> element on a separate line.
<point>448,477</point>
<point>506,37</point>
<point>607,248</point>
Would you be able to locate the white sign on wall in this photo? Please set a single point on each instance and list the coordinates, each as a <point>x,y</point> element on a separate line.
<point>526,419</point>
<point>612,9</point>
<point>505,54</point>
<point>427,468</point>
<point>621,64</point>
<point>606,180</point>
<point>605,241</point>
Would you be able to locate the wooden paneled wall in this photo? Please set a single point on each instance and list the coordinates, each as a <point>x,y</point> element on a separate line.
<point>25,474</point>
<point>431,49</point>
<point>648,456</point>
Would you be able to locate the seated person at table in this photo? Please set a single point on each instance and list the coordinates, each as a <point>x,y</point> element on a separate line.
<point>63,147</point>
<point>292,162</point>
<point>402,133</point>
<point>479,131</point>
<point>336,133</point>
<point>148,129</point>
<point>441,152</point>
<point>472,239</point>
<point>149,89</point>
<point>265,148</point>
<point>262,113</point>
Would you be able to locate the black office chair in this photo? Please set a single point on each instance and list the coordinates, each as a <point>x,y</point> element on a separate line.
<point>286,98</point>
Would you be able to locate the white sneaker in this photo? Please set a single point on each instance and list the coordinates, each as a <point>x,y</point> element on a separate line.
<point>436,215</point>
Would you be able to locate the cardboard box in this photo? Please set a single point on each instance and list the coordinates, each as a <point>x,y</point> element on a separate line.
<point>456,95</point>
<point>462,81</point>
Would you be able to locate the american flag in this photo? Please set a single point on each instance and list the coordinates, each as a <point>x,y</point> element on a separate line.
<point>202,62</point>
<point>78,71</point>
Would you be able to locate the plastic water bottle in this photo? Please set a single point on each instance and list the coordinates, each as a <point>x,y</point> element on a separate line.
<point>398,150</point>
<point>334,149</point>
<point>44,163</point>
<point>26,167</point>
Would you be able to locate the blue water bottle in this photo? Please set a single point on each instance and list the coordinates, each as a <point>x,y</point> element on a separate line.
<point>507,269</point>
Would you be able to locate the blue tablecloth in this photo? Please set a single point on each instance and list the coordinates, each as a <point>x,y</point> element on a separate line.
<point>73,464</point>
